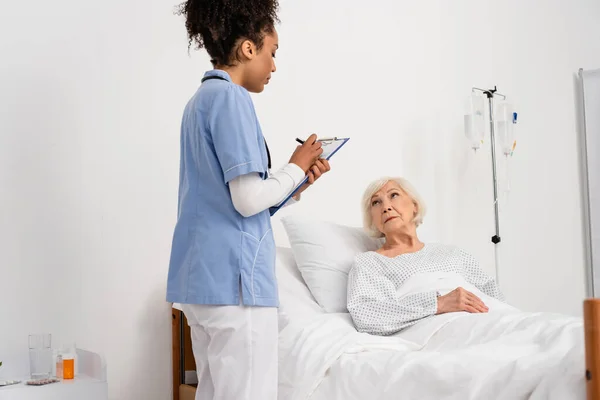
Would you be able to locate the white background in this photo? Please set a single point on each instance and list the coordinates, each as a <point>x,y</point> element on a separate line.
<point>91,96</point>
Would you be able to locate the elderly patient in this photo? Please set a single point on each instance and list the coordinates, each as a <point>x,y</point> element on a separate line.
<point>391,288</point>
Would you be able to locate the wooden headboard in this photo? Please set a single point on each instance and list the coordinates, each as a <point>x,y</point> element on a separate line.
<point>183,356</point>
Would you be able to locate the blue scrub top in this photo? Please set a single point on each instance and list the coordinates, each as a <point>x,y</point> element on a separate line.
<point>214,247</point>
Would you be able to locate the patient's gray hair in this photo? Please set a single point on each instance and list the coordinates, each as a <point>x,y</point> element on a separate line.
<point>374,187</point>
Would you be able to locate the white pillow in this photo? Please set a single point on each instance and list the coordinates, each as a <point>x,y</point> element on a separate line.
<point>296,303</point>
<point>324,253</point>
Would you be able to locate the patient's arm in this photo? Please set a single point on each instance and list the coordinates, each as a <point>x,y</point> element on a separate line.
<point>475,275</point>
<point>377,309</point>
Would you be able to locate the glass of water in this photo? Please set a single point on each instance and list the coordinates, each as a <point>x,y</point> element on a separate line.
<point>40,356</point>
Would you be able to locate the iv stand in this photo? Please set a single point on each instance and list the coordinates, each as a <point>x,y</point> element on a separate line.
<point>496,238</point>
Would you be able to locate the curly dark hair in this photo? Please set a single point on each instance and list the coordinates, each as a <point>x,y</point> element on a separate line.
<point>218,25</point>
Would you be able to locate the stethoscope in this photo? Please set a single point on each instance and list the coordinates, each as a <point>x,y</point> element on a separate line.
<point>206,78</point>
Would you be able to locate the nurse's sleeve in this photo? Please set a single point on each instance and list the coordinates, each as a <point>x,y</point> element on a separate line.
<point>475,275</point>
<point>233,127</point>
<point>251,194</point>
<point>375,307</point>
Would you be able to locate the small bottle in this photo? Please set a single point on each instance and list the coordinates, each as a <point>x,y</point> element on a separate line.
<point>68,365</point>
<point>59,366</point>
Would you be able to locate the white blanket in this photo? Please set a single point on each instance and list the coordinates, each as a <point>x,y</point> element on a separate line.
<point>503,354</point>
<point>444,283</point>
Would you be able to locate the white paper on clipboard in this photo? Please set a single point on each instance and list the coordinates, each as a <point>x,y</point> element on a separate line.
<point>330,147</point>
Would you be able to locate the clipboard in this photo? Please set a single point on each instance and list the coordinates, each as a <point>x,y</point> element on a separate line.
<point>330,146</point>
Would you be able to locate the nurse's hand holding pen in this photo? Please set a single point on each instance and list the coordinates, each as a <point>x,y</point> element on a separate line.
<point>317,168</point>
<point>307,153</point>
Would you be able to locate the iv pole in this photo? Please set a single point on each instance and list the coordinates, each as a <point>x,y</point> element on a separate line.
<point>491,93</point>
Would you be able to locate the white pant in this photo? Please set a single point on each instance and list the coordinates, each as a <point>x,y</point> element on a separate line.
<point>235,349</point>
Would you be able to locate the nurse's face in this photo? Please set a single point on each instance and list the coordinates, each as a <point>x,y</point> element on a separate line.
<point>261,63</point>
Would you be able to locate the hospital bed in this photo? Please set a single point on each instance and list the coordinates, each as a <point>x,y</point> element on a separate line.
<point>323,357</point>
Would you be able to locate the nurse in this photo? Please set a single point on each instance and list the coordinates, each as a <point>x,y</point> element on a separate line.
<point>222,266</point>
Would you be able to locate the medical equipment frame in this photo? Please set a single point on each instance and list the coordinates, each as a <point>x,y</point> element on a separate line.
<point>490,94</point>
<point>588,98</point>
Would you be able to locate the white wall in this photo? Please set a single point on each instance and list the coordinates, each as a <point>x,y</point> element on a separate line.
<point>91,98</point>
<point>398,92</point>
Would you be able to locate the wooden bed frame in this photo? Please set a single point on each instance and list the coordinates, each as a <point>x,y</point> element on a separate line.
<point>183,357</point>
<point>591,320</point>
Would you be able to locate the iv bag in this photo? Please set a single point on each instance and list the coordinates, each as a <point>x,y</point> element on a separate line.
<point>504,129</point>
<point>474,121</point>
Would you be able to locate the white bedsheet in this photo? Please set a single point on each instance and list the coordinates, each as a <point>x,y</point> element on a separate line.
<point>504,354</point>
<point>478,356</point>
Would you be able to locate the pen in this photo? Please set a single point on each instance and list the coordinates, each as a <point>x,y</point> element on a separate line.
<point>300,141</point>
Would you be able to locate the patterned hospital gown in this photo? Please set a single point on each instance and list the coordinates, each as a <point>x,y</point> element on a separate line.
<point>374,280</point>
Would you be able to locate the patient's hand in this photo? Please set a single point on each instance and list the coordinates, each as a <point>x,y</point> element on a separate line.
<point>460,300</point>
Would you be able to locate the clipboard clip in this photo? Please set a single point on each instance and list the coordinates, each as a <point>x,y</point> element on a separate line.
<point>328,140</point>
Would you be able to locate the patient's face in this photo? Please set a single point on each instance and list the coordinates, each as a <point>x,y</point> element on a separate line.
<point>392,210</point>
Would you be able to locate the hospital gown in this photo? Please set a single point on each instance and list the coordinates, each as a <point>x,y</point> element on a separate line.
<point>374,280</point>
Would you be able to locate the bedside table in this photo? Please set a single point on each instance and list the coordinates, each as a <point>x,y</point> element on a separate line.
<point>89,384</point>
